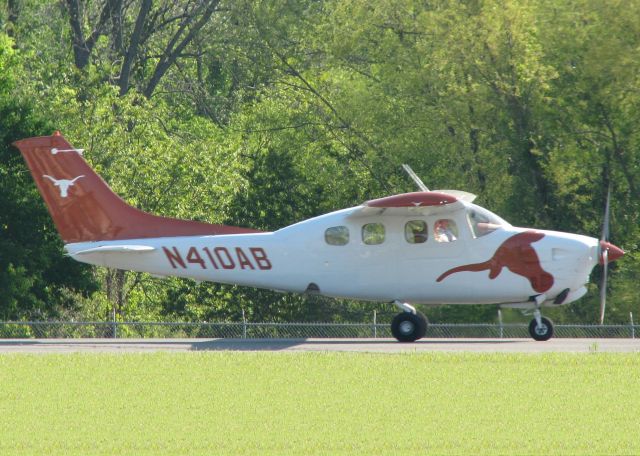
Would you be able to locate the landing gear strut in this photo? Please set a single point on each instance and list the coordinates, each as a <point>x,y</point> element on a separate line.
<point>409,325</point>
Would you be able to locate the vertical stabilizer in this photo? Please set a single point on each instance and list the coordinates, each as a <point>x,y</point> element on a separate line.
<point>83,206</point>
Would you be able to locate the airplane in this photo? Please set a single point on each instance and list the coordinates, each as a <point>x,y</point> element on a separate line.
<point>425,247</point>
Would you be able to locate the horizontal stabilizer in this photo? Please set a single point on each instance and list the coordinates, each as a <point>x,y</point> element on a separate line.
<point>116,249</point>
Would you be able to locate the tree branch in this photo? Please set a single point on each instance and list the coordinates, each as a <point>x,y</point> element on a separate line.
<point>173,50</point>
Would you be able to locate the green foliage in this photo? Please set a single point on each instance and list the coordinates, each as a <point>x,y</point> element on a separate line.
<point>277,112</point>
<point>34,273</point>
<point>11,331</point>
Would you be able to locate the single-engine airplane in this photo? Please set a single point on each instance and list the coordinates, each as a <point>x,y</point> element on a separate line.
<point>429,247</point>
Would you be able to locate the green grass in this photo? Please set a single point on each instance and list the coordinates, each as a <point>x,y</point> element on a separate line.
<point>320,403</point>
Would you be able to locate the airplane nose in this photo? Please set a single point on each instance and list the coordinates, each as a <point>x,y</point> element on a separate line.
<point>613,252</point>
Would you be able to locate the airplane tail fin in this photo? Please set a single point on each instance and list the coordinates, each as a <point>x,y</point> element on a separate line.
<point>83,206</point>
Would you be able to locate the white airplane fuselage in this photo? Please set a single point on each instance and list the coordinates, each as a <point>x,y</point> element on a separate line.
<point>298,259</point>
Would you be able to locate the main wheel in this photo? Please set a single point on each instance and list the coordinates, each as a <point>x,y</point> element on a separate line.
<point>409,327</point>
<point>543,331</point>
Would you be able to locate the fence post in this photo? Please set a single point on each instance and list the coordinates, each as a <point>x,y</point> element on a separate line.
<point>633,329</point>
<point>244,326</point>
<point>500,322</point>
<point>115,324</point>
<point>375,321</point>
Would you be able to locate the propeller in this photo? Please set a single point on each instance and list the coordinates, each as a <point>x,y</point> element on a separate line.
<point>603,284</point>
<point>604,256</point>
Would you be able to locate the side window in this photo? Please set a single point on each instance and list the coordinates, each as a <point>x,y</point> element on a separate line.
<point>415,231</point>
<point>373,233</point>
<point>445,230</point>
<point>337,235</point>
<point>480,224</point>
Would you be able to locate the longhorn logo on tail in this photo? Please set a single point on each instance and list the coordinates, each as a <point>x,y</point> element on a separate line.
<point>518,256</point>
<point>63,184</point>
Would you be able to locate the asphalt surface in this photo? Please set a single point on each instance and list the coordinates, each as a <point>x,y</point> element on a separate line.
<point>316,345</point>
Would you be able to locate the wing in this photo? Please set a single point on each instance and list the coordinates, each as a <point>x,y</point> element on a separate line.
<point>464,196</point>
<point>421,203</point>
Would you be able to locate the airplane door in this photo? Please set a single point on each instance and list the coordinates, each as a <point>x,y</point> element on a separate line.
<point>430,246</point>
<point>356,260</point>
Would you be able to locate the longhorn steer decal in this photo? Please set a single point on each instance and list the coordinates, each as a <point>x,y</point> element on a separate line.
<point>518,256</point>
<point>63,184</point>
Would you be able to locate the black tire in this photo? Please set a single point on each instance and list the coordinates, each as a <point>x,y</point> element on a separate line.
<point>545,332</point>
<point>423,324</point>
<point>409,327</point>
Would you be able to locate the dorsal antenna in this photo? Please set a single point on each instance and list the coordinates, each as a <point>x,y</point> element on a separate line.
<point>415,178</point>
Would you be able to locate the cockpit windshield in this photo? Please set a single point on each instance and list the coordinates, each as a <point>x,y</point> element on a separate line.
<point>482,221</point>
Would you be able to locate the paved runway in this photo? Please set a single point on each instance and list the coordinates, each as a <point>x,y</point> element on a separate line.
<point>316,345</point>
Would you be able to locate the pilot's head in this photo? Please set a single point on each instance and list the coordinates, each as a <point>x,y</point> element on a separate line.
<point>442,224</point>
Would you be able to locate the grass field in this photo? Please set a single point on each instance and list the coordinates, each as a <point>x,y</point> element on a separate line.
<point>319,403</point>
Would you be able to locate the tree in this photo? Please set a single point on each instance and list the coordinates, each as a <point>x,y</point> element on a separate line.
<point>149,45</point>
<point>268,113</point>
<point>36,280</point>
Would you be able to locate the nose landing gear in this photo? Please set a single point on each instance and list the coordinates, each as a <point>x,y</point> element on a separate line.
<point>541,331</point>
<point>540,328</point>
<point>409,325</point>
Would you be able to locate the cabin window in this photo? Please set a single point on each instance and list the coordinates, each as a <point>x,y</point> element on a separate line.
<point>481,224</point>
<point>415,231</point>
<point>445,230</point>
<point>373,233</point>
<point>337,235</point>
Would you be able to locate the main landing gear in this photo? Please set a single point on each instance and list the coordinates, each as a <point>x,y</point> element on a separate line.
<point>409,325</point>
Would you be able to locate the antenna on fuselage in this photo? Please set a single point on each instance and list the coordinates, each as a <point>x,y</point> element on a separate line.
<point>415,178</point>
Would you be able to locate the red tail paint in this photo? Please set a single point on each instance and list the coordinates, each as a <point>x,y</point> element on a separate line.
<point>83,206</point>
<point>517,255</point>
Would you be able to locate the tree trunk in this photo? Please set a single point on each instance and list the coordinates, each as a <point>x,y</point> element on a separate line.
<point>132,50</point>
<point>13,10</point>
<point>82,47</point>
<point>80,50</point>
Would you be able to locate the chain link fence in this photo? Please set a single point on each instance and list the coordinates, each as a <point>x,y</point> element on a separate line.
<point>250,330</point>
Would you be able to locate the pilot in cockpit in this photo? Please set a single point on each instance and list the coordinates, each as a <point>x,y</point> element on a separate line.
<point>443,231</point>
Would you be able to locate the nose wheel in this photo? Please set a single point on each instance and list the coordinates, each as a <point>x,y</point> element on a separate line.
<point>408,326</point>
<point>541,330</point>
